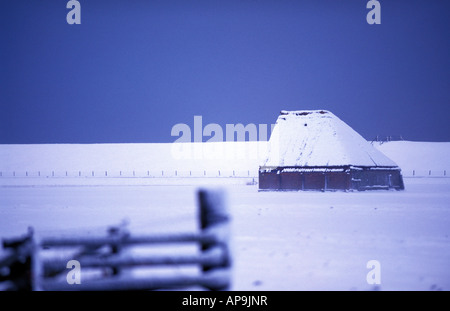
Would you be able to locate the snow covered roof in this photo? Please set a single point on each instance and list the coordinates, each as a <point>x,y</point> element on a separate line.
<point>319,138</point>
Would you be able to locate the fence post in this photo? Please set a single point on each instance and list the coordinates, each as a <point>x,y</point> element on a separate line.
<point>16,265</point>
<point>120,233</point>
<point>214,218</point>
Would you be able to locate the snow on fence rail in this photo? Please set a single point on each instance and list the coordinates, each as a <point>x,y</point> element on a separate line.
<point>130,173</point>
<point>41,264</point>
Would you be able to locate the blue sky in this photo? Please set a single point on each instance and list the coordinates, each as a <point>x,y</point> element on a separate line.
<point>133,69</point>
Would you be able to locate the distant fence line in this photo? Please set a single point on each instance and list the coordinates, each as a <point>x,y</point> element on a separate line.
<point>225,173</point>
<point>425,173</point>
<point>130,173</point>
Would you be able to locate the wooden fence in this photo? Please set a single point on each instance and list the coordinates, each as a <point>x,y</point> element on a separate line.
<point>112,261</point>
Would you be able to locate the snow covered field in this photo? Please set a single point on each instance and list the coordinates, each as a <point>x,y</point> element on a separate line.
<point>282,240</point>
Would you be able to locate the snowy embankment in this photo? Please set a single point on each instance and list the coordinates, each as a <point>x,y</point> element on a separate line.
<point>177,163</point>
<point>131,164</point>
<point>419,159</point>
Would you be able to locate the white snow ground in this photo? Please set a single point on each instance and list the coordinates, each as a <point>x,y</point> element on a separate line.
<point>282,240</point>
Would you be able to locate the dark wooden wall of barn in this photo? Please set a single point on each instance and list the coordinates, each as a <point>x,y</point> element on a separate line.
<point>377,179</point>
<point>304,180</point>
<point>352,180</point>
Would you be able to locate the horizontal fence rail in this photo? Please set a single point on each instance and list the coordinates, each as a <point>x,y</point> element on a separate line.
<point>130,240</point>
<point>212,280</point>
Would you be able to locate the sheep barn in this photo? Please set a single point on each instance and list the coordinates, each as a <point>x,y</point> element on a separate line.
<point>315,150</point>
